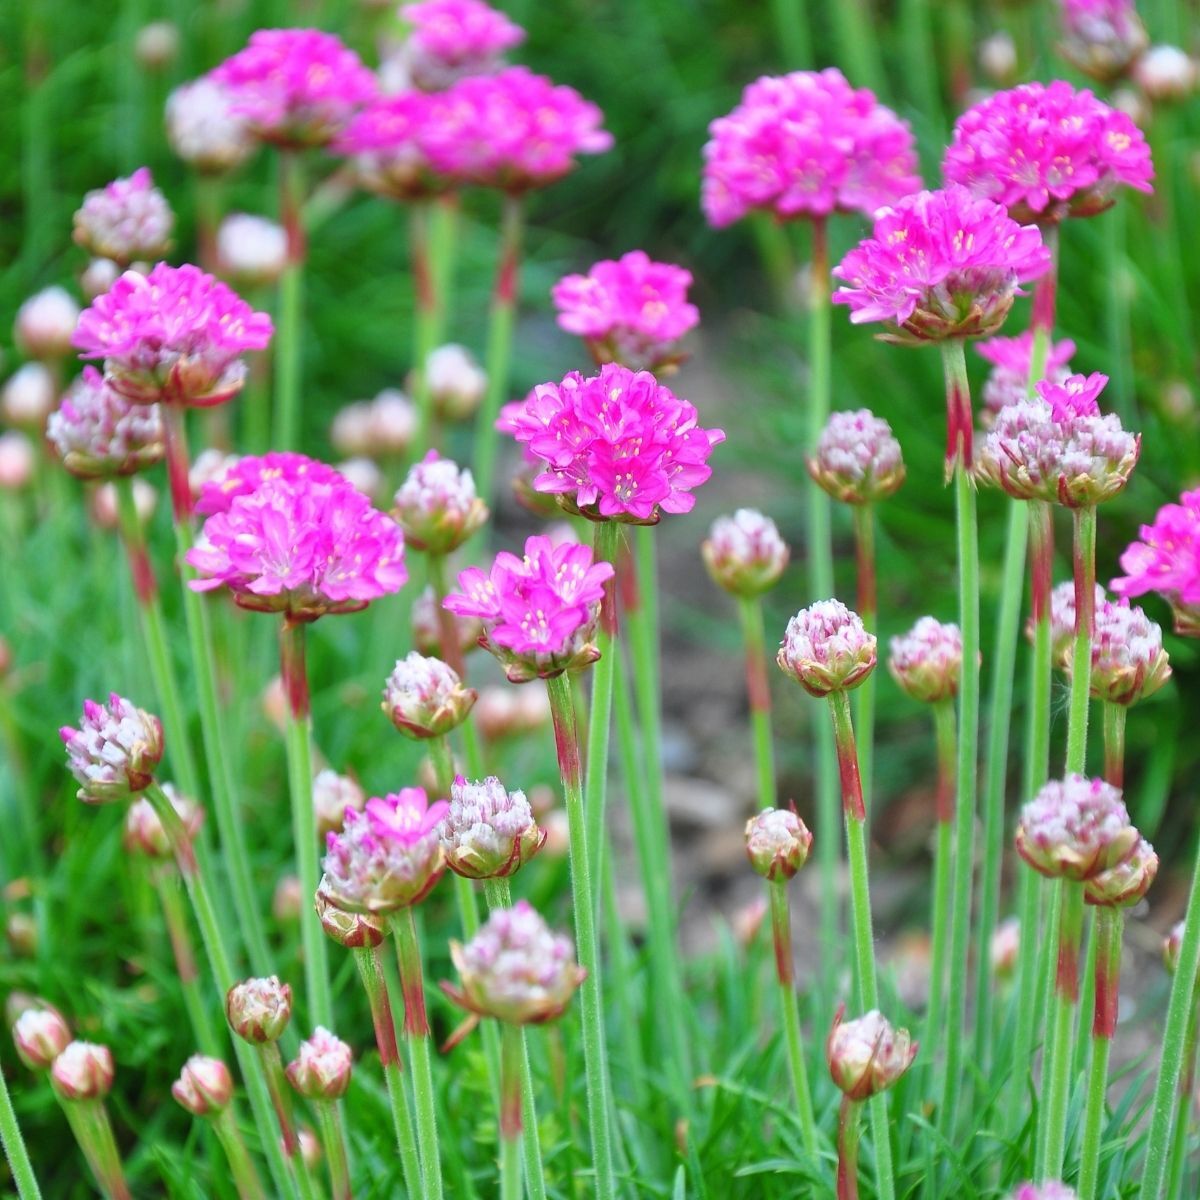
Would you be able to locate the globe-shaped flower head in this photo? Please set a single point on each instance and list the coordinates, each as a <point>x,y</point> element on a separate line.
<point>1050,1190</point>
<point>175,336</point>
<point>437,506</point>
<point>1075,829</point>
<point>259,1010</point>
<point>45,323</point>
<point>858,459</point>
<point>1103,38</point>
<point>1046,151</point>
<point>40,1035</point>
<point>618,445</point>
<point>632,311</point>
<point>242,476</point>
<point>296,87</point>
<point>451,39</point>
<point>114,752</point>
<point>744,553</point>
<point>204,1086</point>
<point>321,1071</point>
<point>927,660</point>
<point>540,611</point>
<point>827,649</point>
<point>97,433</point>
<point>777,843</point>
<point>1011,359</point>
<point>806,144</point>
<point>1166,560</point>
<point>425,698</point>
<point>1125,883</point>
<point>83,1071</point>
<point>866,1056</point>
<point>1128,660</point>
<point>204,130</point>
<point>488,831</point>
<point>127,221</point>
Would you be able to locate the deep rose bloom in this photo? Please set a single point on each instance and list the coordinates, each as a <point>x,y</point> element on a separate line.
<point>940,264</point>
<point>1075,829</point>
<point>203,128</point>
<point>176,336</point>
<point>1103,38</point>
<point>513,130</point>
<point>540,611</point>
<point>241,476</point>
<point>296,87</point>
<point>632,310</point>
<point>114,752</point>
<point>618,444</point>
<point>305,548</point>
<point>127,220</point>
<point>1011,363</point>
<point>1166,560</point>
<point>1046,151</point>
<point>805,145</point>
<point>97,433</point>
<point>454,38</point>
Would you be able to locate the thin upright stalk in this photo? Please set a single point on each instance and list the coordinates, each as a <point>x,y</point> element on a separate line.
<point>94,1133</point>
<point>791,27</point>
<point>511,1122</point>
<point>291,302</point>
<point>847,1141</point>
<point>606,543</point>
<point>959,401</point>
<point>184,955</point>
<point>1114,743</point>
<point>416,1032</point>
<point>1081,659</point>
<point>333,1136</point>
<point>298,736</point>
<point>425,322</point>
<point>1107,930</point>
<point>758,693</point>
<point>14,1148</point>
<point>241,1165</point>
<point>566,736</point>
<point>281,1100</point>
<point>857,45</point>
<point>1183,1110</point>
<point>498,355</point>
<point>867,606</point>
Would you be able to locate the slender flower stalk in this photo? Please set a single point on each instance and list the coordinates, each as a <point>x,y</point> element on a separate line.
<point>512,1054</point>
<point>167,887</point>
<point>89,1121</point>
<point>1085,610</point>
<point>288,338</point>
<point>847,1148</point>
<point>866,605</point>
<point>333,1136</point>
<point>1114,743</point>
<point>431,254</point>
<point>13,1144</point>
<point>758,694</point>
<point>241,1165</point>
<point>1183,1112</point>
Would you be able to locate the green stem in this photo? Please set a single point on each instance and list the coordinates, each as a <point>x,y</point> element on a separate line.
<point>566,733</point>
<point>498,355</point>
<point>1081,662</point>
<point>95,1134</point>
<point>847,1143</point>
<point>291,302</point>
<point>298,736</point>
<point>416,1032</point>
<point>1058,1055</point>
<point>1114,743</point>
<point>916,33</point>
<point>241,1166</point>
<point>511,1118</point>
<point>14,1148</point>
<point>1107,931</point>
<point>759,694</point>
<point>606,545</point>
<point>864,694</point>
<point>426,320</point>
<point>857,47</point>
<point>1003,667</point>
<point>329,1117</point>
<point>1183,1110</point>
<point>791,27</point>
<point>185,963</point>
<point>1116,313</point>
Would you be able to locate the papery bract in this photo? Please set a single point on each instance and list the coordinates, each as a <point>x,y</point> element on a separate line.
<point>425,698</point>
<point>744,553</point>
<point>827,648</point>
<point>866,1056</point>
<point>927,660</point>
<point>777,843</point>
<point>437,505</point>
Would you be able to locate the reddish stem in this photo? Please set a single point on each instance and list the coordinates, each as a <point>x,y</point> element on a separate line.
<point>959,423</point>
<point>1108,971</point>
<point>1066,980</point>
<point>293,669</point>
<point>505,288</point>
<point>627,579</point>
<point>782,932</point>
<point>416,1020</point>
<point>566,742</point>
<point>847,1141</point>
<point>291,205</point>
<point>178,463</point>
<point>847,754</point>
<point>1045,290</point>
<point>758,687</point>
<point>1041,557</point>
<point>141,570</point>
<point>381,1006</point>
<point>280,1097</point>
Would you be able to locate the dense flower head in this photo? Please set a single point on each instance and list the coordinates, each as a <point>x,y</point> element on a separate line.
<point>251,250</point>
<point>940,264</point>
<point>455,380</point>
<point>1166,74</point>
<point>204,1086</point>
<point>304,546</point>
<point>333,796</point>
<point>40,1035</point>
<point>386,857</point>
<point>29,396</point>
<point>321,1071</point>
<point>45,323</point>
<point>1011,359</point>
<point>1063,619</point>
<point>515,968</point>
<point>777,843</point>
<point>744,553</point>
<point>630,310</point>
<point>927,660</point>
<point>203,128</point>
<point>451,39</point>
<point>488,831</point>
<point>259,1010</point>
<point>83,1071</point>
<point>97,433</point>
<point>236,477</point>
<point>615,445</point>
<point>539,611</point>
<point>128,220</point>
<point>1051,1189</point>
<point>295,87</point>
<point>175,335</point>
<point>1125,883</point>
<point>1047,151</point>
<point>1103,38</point>
<point>144,833</point>
<point>1058,447</point>
<point>425,698</point>
<point>437,506</point>
<point>857,459</point>
<point>1075,828</point>
<point>1166,560</point>
<point>378,428</point>
<point>806,144</point>
<point>1128,660</point>
<point>114,751</point>
<point>827,648</point>
<point>866,1056</point>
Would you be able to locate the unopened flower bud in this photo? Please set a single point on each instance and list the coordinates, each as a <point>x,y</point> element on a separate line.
<point>1128,660</point>
<point>365,475</point>
<point>867,1056</point>
<point>104,509</point>
<point>1126,883</point>
<point>83,1071</point>
<point>1006,945</point>
<point>115,750</point>
<point>349,929</point>
<point>927,661</point>
<point>427,629</point>
<point>488,832</point>
<point>21,934</point>
<point>259,1009</point>
<point>29,396</point>
<point>156,45</point>
<point>744,553</point>
<point>425,698</point>
<point>144,833</point>
<point>287,901</point>
<point>827,648</point>
<point>436,505</point>
<point>455,381</point>
<point>16,461</point>
<point>321,1071</point>
<point>1075,828</point>
<point>203,129</point>
<point>45,323</point>
<point>251,250</point>
<point>333,796</point>
<point>98,276</point>
<point>1165,73</point>
<point>858,459</point>
<point>748,921</point>
<point>1062,621</point>
<point>379,428</point>
<point>40,1036</point>
<point>1172,945</point>
<point>310,1148</point>
<point>998,58</point>
<point>515,968</point>
<point>777,843</point>
<point>128,221</point>
<point>98,434</point>
<point>204,1086</point>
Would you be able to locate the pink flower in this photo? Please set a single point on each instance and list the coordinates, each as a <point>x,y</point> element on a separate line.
<point>540,611</point>
<point>1074,396</point>
<point>940,264</point>
<point>1166,560</point>
<point>632,311</point>
<point>1046,151</point>
<point>203,129</point>
<point>513,130</point>
<point>1103,38</point>
<point>618,444</point>
<point>245,475</point>
<point>305,547</point>
<point>437,506</point>
<point>295,87</point>
<point>97,433</point>
<point>114,752</point>
<point>806,145</point>
<point>454,38</point>
<point>127,220</point>
<point>1011,360</point>
<point>1075,829</point>
<point>174,336</point>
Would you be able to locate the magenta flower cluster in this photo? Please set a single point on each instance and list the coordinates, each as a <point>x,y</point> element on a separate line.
<point>242,476</point>
<point>806,144</point>
<point>1046,151</point>
<point>1166,559</point>
<point>175,335</point>
<point>296,87</point>
<point>453,38</point>
<point>1011,359</point>
<point>539,611</point>
<point>1103,38</point>
<point>618,444</point>
<point>305,543</point>
<point>630,310</point>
